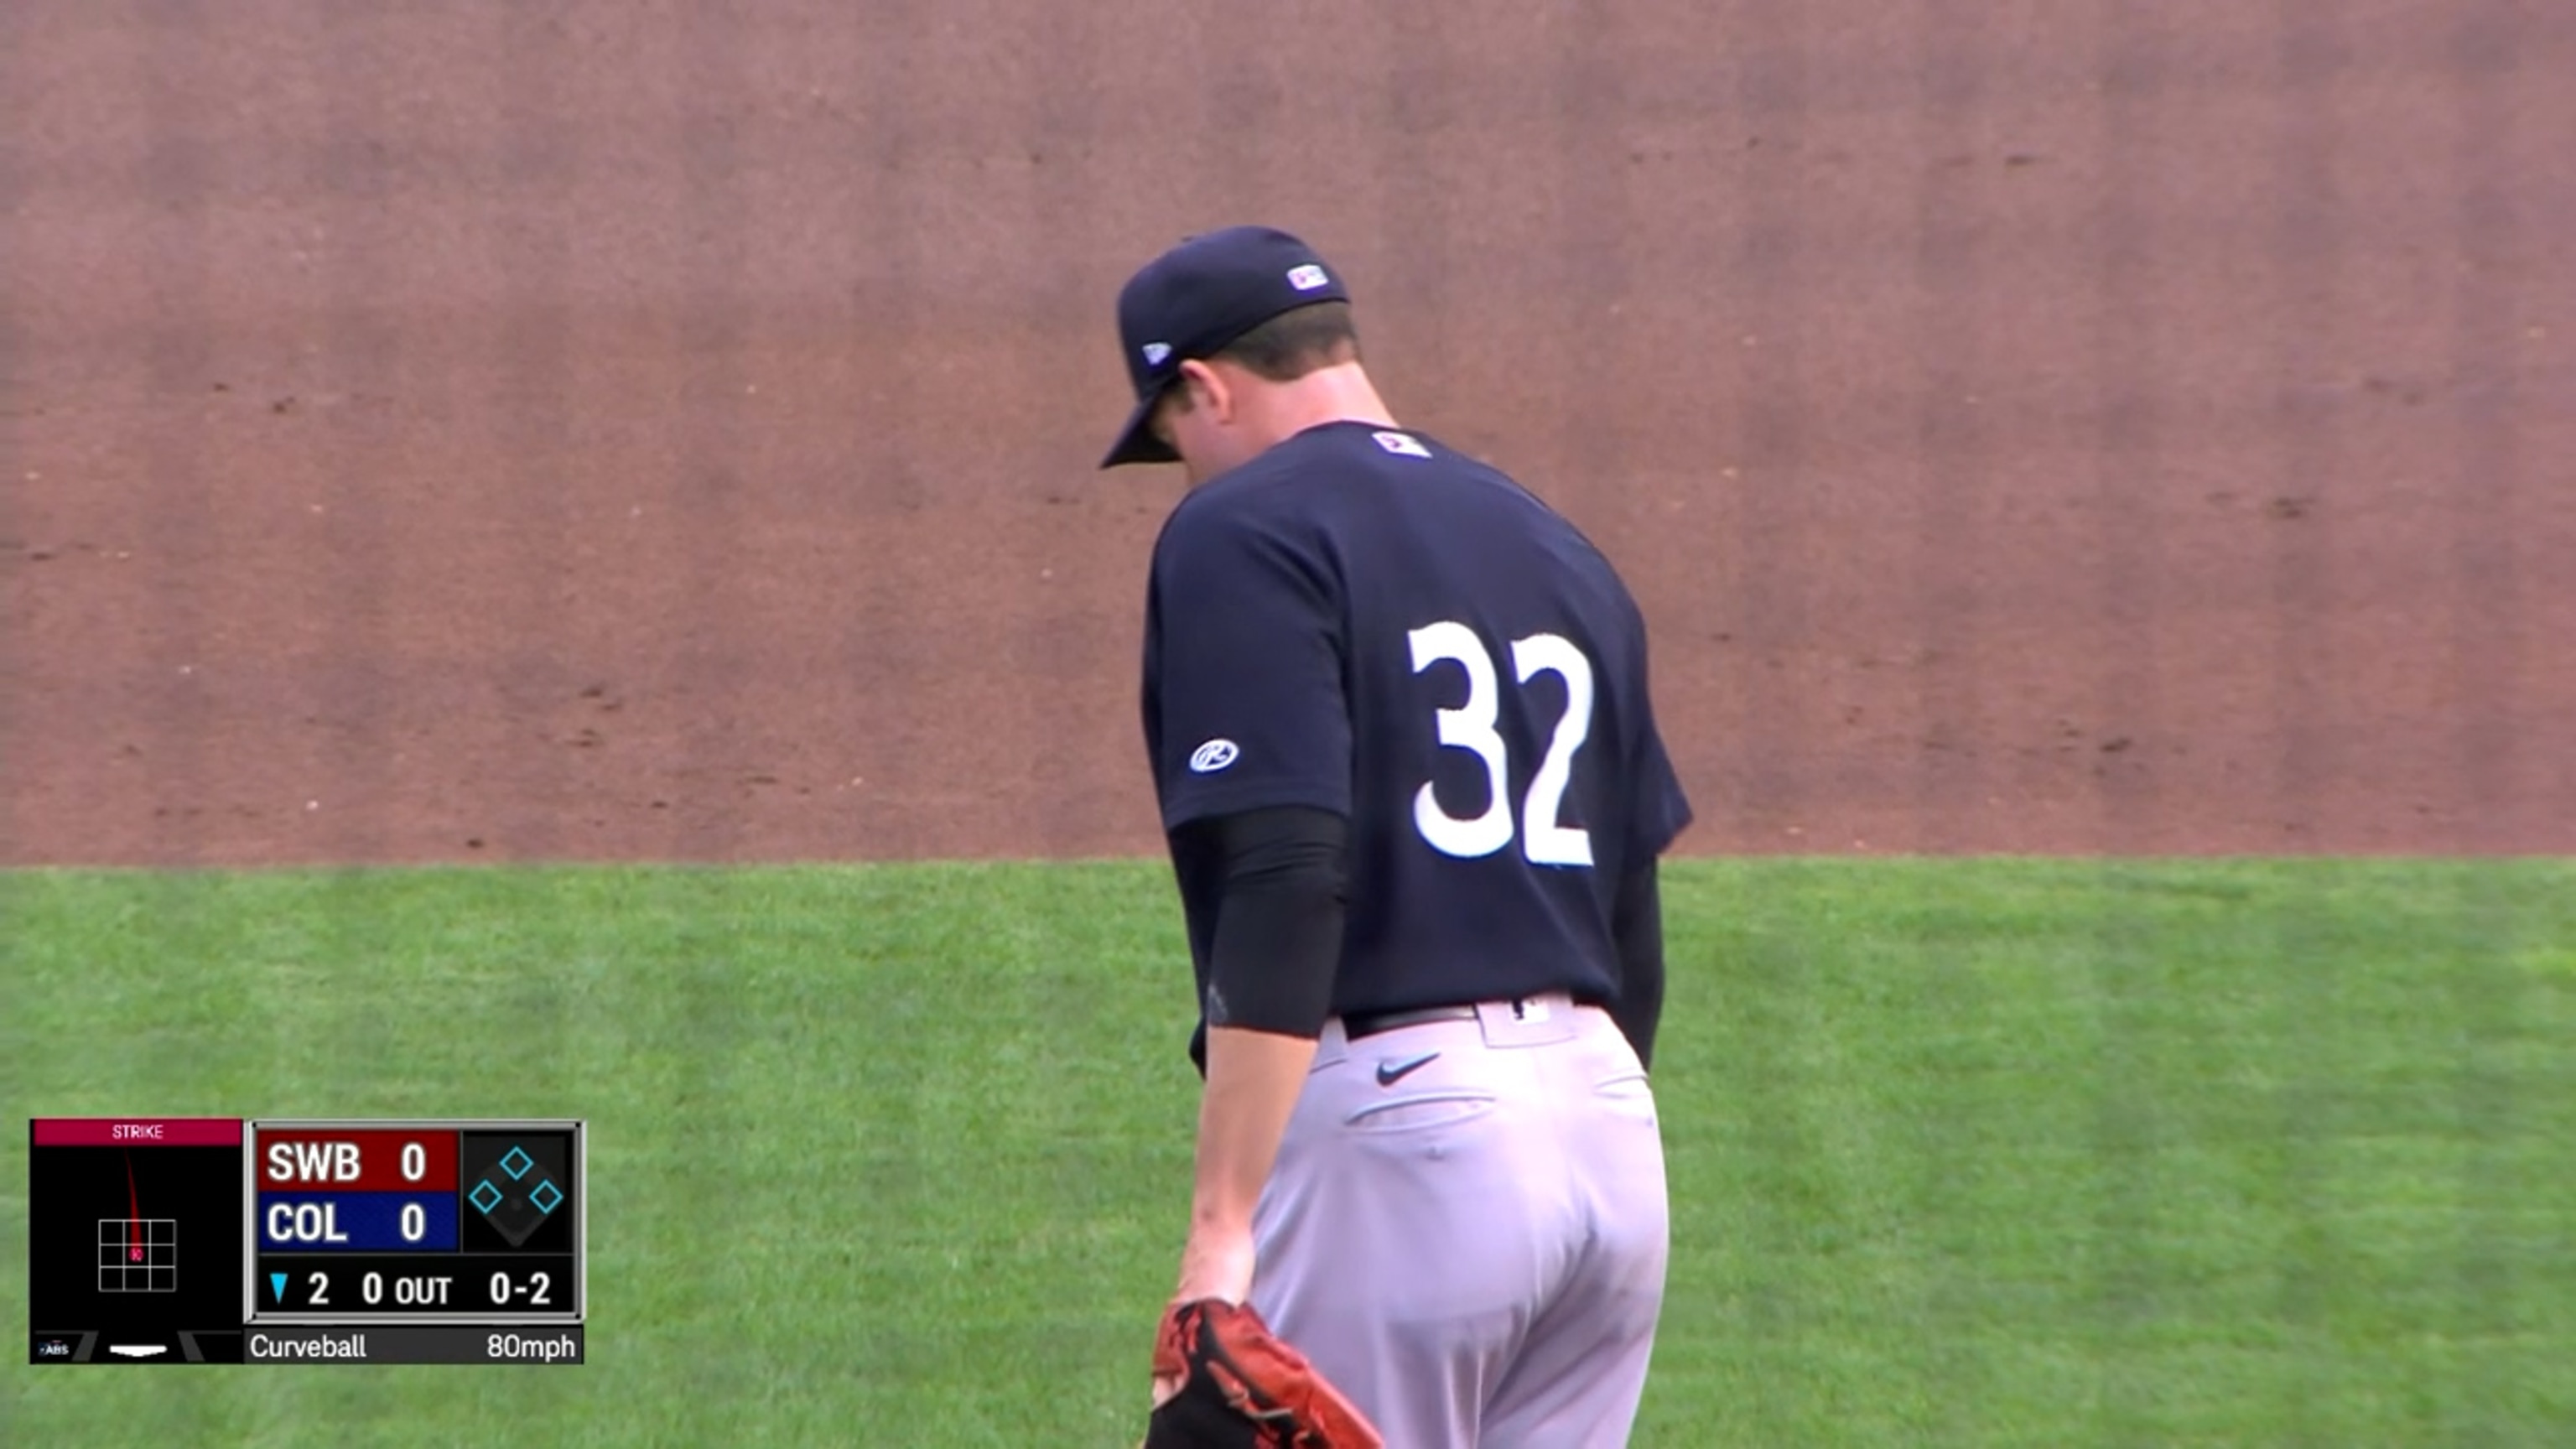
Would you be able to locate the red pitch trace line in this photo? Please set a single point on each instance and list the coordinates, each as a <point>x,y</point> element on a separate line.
<point>133,1215</point>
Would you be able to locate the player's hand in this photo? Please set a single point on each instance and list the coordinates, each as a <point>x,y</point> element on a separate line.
<point>1240,1383</point>
<point>1214,1264</point>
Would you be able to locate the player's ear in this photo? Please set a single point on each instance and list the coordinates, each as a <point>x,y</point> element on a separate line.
<point>1207,389</point>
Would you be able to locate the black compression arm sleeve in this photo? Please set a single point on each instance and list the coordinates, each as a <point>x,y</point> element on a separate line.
<point>1278,939</point>
<point>1637,923</point>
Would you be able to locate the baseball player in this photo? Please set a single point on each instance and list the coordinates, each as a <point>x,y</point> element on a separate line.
<point>1398,719</point>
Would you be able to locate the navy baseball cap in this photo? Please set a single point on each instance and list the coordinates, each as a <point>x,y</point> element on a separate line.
<point>1194,299</point>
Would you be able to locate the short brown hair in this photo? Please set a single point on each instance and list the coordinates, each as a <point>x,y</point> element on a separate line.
<point>1297,342</point>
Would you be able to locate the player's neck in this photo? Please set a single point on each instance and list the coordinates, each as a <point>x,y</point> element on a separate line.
<point>1341,394</point>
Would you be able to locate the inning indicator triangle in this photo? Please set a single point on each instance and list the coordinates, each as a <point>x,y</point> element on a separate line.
<point>277,1285</point>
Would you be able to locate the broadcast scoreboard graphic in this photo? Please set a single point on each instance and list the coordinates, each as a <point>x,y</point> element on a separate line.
<point>432,1240</point>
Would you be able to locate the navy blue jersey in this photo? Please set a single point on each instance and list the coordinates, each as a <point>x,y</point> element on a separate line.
<point>1363,621</point>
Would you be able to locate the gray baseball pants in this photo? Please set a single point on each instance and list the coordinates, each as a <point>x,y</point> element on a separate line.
<point>1474,1250</point>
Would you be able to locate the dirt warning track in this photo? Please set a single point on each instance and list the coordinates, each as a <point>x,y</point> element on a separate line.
<point>621,431</point>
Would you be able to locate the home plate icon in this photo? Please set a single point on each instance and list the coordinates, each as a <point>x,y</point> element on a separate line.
<point>518,1189</point>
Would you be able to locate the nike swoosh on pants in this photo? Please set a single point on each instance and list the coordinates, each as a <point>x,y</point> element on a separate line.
<point>1390,1073</point>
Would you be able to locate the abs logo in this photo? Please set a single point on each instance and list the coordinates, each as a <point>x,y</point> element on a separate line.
<point>1213,756</point>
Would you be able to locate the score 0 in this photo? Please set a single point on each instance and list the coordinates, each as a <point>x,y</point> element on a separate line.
<point>355,1190</point>
<point>307,1163</point>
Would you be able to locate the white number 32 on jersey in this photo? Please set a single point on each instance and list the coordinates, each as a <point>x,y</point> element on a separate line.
<point>1470,727</point>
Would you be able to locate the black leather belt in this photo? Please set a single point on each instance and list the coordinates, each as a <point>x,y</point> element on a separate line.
<point>1370,1023</point>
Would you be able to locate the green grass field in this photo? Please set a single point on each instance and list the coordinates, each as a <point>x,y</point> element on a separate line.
<point>1962,1153</point>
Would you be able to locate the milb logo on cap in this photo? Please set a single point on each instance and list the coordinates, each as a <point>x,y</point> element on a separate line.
<point>1308,277</point>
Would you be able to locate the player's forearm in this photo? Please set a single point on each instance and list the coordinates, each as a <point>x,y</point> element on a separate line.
<point>1270,979</point>
<point>1252,1084</point>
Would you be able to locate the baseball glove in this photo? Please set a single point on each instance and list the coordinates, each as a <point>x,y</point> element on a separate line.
<point>1243,1387</point>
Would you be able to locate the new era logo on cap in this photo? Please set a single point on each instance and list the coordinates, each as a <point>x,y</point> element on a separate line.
<point>1155,352</point>
<point>1308,278</point>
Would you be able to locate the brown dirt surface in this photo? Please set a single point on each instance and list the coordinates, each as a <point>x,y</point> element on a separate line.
<point>637,429</point>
